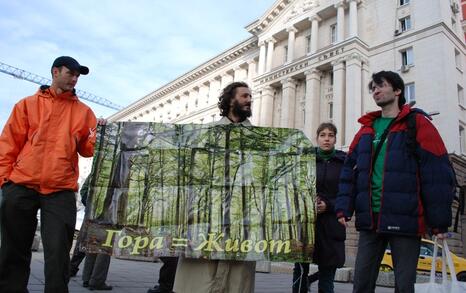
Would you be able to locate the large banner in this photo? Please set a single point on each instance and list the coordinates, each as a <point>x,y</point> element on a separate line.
<point>203,191</point>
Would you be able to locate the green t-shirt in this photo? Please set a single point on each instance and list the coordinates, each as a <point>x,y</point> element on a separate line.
<point>377,173</point>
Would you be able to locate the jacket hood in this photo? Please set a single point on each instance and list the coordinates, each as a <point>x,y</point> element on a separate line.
<point>48,92</point>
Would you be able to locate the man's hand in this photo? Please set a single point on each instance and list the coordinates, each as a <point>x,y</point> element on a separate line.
<point>343,222</point>
<point>321,206</point>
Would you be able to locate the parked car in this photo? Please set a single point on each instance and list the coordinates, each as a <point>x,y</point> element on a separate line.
<point>425,260</point>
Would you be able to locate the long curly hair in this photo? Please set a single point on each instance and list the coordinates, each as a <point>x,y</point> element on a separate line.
<point>228,93</point>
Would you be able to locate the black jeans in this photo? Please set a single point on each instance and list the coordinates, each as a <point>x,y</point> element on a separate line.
<point>301,278</point>
<point>18,224</point>
<point>167,273</point>
<point>371,248</point>
<point>300,281</point>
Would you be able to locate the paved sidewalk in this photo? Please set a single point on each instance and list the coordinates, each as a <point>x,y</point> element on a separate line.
<point>136,277</point>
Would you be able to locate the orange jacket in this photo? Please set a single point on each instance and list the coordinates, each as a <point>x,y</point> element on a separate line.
<point>41,140</point>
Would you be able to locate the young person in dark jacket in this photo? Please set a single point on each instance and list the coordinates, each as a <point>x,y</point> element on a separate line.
<point>397,192</point>
<point>329,253</point>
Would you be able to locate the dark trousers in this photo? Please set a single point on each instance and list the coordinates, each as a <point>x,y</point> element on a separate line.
<point>300,281</point>
<point>96,268</point>
<point>18,224</point>
<point>167,273</point>
<point>371,248</point>
<point>300,278</point>
<point>326,279</point>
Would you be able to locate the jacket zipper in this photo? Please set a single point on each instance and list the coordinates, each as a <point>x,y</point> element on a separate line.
<point>383,179</point>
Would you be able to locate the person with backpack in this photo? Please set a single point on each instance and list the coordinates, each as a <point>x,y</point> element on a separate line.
<point>398,181</point>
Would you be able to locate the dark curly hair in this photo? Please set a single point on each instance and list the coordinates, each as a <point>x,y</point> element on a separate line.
<point>228,93</point>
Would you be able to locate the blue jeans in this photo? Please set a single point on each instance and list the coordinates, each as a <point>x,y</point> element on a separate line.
<point>371,248</point>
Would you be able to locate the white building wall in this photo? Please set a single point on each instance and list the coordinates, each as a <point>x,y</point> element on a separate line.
<point>434,72</point>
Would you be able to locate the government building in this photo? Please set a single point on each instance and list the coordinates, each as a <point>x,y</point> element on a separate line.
<point>310,61</point>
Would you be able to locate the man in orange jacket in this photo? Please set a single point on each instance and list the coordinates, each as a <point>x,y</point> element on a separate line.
<point>39,149</point>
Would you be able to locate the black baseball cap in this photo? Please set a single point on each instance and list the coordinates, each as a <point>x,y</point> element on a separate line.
<point>71,64</point>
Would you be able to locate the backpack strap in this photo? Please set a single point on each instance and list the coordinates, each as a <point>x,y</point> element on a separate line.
<point>411,142</point>
<point>411,132</point>
<point>381,141</point>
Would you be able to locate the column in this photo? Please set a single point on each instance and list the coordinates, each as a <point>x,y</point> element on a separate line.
<point>262,53</point>
<point>251,71</point>
<point>270,44</point>
<point>177,104</point>
<point>291,38</point>
<point>256,107</point>
<point>338,99</point>
<point>184,97</point>
<point>169,110</point>
<point>288,102</point>
<point>312,103</point>
<point>239,74</point>
<point>314,33</point>
<point>368,103</point>
<point>193,96</point>
<point>202,96</point>
<point>214,87</point>
<point>266,116</point>
<point>162,111</point>
<point>226,80</point>
<point>340,21</point>
<point>353,15</point>
<point>353,95</point>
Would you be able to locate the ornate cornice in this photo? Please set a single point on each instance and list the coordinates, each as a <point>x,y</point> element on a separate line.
<point>270,15</point>
<point>202,70</point>
<point>302,7</point>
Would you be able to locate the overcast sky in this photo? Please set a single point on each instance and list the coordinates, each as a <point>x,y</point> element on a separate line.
<point>131,47</point>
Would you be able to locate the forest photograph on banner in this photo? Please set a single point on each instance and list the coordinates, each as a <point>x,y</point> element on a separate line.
<point>203,191</point>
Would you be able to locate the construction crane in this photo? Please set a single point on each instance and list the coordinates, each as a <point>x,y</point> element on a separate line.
<point>22,74</point>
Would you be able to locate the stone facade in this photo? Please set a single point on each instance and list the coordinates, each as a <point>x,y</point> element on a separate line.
<point>310,61</point>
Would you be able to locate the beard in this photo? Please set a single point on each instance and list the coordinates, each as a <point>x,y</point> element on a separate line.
<point>240,112</point>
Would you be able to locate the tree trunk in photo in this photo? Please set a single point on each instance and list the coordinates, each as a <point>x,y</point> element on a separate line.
<point>289,212</point>
<point>244,197</point>
<point>184,206</point>
<point>264,198</point>
<point>178,191</point>
<point>191,195</point>
<point>227,185</point>
<point>301,218</point>
<point>113,182</point>
<point>98,161</point>
<point>145,197</point>
<point>162,197</point>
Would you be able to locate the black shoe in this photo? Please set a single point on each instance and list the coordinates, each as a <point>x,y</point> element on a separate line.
<point>85,284</point>
<point>103,287</point>
<point>157,289</point>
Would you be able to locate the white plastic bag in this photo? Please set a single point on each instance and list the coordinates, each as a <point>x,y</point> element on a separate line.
<point>447,286</point>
